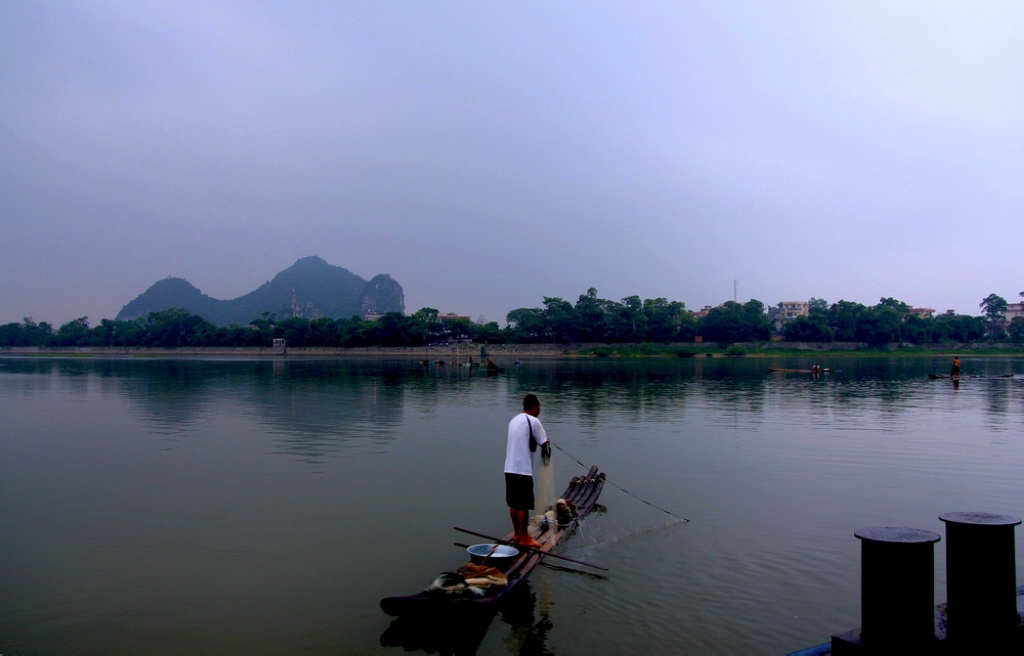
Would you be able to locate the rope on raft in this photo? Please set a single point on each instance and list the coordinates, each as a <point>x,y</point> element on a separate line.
<point>609,481</point>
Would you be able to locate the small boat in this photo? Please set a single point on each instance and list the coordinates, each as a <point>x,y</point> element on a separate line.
<point>582,494</point>
<point>772,370</point>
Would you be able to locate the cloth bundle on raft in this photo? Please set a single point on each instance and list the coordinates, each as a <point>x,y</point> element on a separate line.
<point>470,579</point>
<point>560,515</point>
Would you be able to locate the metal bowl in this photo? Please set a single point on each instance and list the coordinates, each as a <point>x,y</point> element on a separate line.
<point>501,557</point>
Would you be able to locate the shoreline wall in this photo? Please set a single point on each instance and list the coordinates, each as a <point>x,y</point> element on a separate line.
<point>497,351</point>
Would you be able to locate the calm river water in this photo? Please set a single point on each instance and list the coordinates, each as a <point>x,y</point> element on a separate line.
<point>203,506</point>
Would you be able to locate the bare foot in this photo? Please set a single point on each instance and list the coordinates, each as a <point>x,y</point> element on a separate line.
<point>528,542</point>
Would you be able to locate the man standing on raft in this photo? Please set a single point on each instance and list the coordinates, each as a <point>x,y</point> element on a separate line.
<point>525,432</point>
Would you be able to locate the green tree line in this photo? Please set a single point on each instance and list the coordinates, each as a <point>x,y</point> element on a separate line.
<point>590,319</point>
<point>892,321</point>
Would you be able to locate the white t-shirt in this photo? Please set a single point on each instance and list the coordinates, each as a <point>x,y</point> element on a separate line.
<point>518,457</point>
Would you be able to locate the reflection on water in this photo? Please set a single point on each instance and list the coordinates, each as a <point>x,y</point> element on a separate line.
<point>438,634</point>
<point>526,619</point>
<point>264,506</point>
<point>319,398</point>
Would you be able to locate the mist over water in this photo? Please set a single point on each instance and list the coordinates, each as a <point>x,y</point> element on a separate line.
<point>225,506</point>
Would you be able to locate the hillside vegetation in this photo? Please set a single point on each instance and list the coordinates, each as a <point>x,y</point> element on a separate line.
<point>319,290</point>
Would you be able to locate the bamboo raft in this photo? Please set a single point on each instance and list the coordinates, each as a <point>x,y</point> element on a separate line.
<point>582,492</point>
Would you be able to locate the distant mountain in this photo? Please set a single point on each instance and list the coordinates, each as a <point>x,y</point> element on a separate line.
<point>311,288</point>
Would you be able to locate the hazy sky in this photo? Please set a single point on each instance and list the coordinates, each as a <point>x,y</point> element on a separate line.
<point>488,154</point>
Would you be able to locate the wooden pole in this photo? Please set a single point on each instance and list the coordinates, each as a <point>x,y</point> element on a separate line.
<point>533,549</point>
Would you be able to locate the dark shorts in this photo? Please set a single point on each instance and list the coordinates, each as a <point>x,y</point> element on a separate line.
<point>519,491</point>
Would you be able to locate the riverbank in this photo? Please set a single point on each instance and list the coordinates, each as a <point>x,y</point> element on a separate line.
<point>506,351</point>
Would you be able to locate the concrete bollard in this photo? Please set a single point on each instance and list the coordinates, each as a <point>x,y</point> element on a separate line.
<point>981,579</point>
<point>897,589</point>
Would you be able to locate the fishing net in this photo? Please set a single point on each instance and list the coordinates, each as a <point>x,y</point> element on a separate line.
<point>545,479</point>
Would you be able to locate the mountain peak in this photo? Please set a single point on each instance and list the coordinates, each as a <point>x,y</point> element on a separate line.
<point>310,261</point>
<point>309,288</point>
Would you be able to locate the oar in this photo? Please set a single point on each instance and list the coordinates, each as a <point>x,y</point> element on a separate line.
<point>490,553</point>
<point>560,568</point>
<point>533,549</point>
<point>494,547</point>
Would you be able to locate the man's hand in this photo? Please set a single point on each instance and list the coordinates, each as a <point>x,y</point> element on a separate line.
<point>545,452</point>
